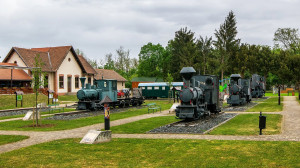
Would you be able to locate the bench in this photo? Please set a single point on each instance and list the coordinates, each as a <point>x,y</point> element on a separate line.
<point>153,106</point>
<point>55,108</point>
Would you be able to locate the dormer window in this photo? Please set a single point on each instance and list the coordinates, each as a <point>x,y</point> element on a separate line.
<point>69,59</point>
<point>15,62</point>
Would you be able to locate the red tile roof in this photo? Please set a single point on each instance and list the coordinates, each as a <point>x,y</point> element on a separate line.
<point>18,74</point>
<point>87,67</point>
<point>52,57</point>
<point>109,74</point>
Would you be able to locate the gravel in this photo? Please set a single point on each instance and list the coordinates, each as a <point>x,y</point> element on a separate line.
<point>194,127</point>
<point>240,107</point>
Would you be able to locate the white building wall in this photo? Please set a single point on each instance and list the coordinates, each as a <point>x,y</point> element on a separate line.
<point>16,57</point>
<point>69,68</point>
<point>119,85</point>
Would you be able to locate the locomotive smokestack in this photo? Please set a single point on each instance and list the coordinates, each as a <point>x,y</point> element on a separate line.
<point>187,72</point>
<point>82,80</point>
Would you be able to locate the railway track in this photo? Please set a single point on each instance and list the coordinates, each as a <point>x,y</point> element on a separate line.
<point>196,126</point>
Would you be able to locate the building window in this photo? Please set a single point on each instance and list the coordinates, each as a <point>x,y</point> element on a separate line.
<point>15,62</point>
<point>76,81</point>
<point>122,83</point>
<point>69,59</point>
<point>61,81</point>
<point>46,82</point>
<point>89,80</point>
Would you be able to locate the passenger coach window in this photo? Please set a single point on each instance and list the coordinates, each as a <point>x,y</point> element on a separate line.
<point>149,88</point>
<point>156,88</point>
<point>143,88</point>
<point>163,88</point>
<point>104,84</point>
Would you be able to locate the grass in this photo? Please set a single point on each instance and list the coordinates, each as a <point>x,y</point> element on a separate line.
<point>270,94</point>
<point>46,112</point>
<point>269,105</point>
<point>76,123</point>
<point>9,101</point>
<point>156,153</point>
<point>5,139</point>
<point>142,126</point>
<point>247,124</point>
<point>67,98</point>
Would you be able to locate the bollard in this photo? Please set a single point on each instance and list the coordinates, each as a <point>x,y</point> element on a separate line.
<point>279,95</point>
<point>262,123</point>
<point>106,117</point>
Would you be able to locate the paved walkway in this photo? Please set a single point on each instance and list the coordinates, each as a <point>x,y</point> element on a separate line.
<point>290,132</point>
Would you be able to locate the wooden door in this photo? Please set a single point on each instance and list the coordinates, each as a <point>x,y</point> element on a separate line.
<point>69,84</point>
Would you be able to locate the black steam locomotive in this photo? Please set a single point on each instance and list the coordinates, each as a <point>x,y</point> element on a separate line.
<point>199,96</point>
<point>239,90</point>
<point>258,86</point>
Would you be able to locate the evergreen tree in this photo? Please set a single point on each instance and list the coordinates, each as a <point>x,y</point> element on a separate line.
<point>204,47</point>
<point>183,51</point>
<point>226,42</point>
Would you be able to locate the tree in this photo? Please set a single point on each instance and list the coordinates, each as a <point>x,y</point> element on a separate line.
<point>287,38</point>
<point>122,63</point>
<point>150,60</point>
<point>204,47</point>
<point>37,80</point>
<point>110,63</point>
<point>226,42</point>
<point>183,51</point>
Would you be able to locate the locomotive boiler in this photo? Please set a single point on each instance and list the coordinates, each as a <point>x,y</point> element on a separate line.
<point>258,86</point>
<point>239,90</point>
<point>92,97</point>
<point>199,96</point>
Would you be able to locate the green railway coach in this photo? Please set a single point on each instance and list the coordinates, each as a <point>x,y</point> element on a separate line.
<point>158,89</point>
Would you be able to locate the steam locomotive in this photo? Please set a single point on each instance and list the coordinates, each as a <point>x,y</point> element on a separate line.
<point>199,96</point>
<point>105,91</point>
<point>258,86</point>
<point>239,90</point>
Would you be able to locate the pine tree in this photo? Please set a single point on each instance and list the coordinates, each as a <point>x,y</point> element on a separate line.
<point>226,42</point>
<point>183,51</point>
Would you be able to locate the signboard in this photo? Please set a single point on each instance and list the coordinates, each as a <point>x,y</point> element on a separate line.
<point>95,136</point>
<point>19,97</point>
<point>28,115</point>
<point>50,95</point>
<point>90,137</point>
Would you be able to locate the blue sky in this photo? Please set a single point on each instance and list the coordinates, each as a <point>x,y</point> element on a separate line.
<point>99,27</point>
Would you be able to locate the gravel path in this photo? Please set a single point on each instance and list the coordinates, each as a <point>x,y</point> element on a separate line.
<point>290,130</point>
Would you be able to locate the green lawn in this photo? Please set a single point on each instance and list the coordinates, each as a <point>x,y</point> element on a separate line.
<point>156,153</point>
<point>142,126</point>
<point>81,122</point>
<point>9,101</point>
<point>269,105</point>
<point>68,98</point>
<point>5,139</point>
<point>247,124</point>
<point>270,94</point>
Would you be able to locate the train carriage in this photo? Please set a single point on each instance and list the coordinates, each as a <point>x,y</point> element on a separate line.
<point>159,89</point>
